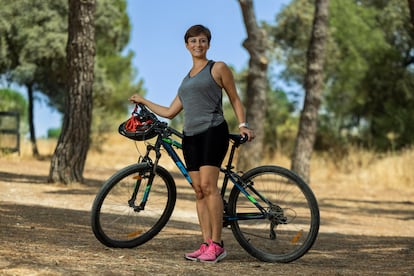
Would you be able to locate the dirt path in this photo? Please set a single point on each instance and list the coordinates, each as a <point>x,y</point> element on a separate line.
<point>45,230</point>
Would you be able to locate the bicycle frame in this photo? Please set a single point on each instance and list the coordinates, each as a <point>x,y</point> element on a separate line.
<point>278,224</point>
<point>168,144</point>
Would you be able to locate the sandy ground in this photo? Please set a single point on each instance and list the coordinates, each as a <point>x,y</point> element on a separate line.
<point>45,230</point>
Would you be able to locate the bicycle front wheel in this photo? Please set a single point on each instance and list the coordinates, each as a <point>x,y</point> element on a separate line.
<point>288,225</point>
<point>133,206</point>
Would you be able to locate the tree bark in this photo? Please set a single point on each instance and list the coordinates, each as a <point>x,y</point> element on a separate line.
<point>411,7</point>
<point>69,158</point>
<point>35,151</point>
<point>255,101</point>
<point>313,88</point>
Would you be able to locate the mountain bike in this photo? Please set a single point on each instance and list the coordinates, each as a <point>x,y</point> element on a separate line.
<point>271,211</point>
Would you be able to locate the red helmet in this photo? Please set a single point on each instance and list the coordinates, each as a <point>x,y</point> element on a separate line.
<point>139,127</point>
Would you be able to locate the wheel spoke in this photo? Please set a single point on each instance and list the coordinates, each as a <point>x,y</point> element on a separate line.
<point>290,225</point>
<point>117,221</point>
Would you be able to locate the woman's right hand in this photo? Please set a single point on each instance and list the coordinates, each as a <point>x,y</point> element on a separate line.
<point>136,98</point>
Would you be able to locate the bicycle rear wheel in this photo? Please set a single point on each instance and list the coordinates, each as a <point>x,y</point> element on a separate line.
<point>287,228</point>
<point>118,221</point>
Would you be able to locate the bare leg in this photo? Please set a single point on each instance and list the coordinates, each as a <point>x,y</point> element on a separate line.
<point>208,202</point>
<point>213,201</point>
<point>201,207</point>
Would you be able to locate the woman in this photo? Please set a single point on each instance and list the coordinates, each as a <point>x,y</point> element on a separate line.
<point>205,132</point>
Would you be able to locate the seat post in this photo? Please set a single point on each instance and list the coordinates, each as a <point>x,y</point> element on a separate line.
<point>229,165</point>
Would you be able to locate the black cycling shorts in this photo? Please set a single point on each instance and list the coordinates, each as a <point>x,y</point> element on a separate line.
<point>206,148</point>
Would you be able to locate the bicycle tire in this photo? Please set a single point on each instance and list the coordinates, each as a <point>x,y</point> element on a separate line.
<point>115,223</point>
<point>297,224</point>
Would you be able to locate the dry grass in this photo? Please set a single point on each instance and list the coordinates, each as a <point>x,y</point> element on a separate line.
<point>364,168</point>
<point>393,170</point>
<point>367,169</point>
<point>365,199</point>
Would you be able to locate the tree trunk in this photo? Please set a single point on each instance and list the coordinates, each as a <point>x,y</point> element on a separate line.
<point>35,151</point>
<point>313,87</point>
<point>70,154</point>
<point>411,7</point>
<point>255,101</point>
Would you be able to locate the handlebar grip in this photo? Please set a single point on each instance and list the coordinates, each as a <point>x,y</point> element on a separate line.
<point>243,139</point>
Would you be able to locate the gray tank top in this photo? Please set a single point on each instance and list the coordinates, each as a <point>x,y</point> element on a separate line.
<point>201,97</point>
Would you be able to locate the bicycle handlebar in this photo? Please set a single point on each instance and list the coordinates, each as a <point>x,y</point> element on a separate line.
<point>237,138</point>
<point>176,132</point>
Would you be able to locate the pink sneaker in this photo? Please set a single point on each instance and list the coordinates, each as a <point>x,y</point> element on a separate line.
<point>194,255</point>
<point>213,254</point>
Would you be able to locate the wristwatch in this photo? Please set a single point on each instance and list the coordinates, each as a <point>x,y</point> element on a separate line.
<point>244,124</point>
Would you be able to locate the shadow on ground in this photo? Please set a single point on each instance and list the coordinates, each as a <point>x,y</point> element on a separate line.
<point>58,241</point>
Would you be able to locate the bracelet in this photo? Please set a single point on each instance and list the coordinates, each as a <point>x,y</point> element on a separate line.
<point>244,124</point>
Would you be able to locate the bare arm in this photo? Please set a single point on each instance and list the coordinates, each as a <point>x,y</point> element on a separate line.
<point>224,77</point>
<point>163,111</point>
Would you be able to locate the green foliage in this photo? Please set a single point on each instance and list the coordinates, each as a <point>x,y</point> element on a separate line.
<point>111,26</point>
<point>113,70</point>
<point>389,85</point>
<point>369,81</point>
<point>290,36</point>
<point>33,36</point>
<point>53,133</point>
<point>280,124</point>
<point>11,100</point>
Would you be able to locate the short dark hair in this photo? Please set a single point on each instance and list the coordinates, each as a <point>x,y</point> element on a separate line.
<point>197,30</point>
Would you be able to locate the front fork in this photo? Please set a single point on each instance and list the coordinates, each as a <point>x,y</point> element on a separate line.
<point>138,181</point>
